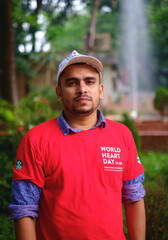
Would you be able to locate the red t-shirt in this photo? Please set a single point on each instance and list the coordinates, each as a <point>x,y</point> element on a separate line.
<point>81,176</point>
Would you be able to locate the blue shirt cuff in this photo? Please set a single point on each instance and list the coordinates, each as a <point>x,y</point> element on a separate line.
<point>25,199</point>
<point>19,211</point>
<point>133,190</point>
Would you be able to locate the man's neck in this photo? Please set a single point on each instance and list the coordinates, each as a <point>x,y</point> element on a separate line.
<point>81,121</point>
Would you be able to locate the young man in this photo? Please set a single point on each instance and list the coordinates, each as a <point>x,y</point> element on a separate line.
<point>72,173</point>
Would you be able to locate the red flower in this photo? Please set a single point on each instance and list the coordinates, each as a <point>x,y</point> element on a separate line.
<point>3,133</point>
<point>21,129</point>
<point>44,100</point>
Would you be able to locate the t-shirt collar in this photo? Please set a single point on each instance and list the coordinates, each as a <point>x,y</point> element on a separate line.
<point>66,129</point>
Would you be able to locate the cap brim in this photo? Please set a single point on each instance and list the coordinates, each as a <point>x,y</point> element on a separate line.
<point>92,61</point>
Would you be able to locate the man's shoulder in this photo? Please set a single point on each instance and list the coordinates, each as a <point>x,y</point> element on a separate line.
<point>43,125</point>
<point>119,129</point>
<point>111,123</point>
<point>45,128</point>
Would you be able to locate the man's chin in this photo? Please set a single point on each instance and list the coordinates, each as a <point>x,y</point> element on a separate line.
<point>83,111</point>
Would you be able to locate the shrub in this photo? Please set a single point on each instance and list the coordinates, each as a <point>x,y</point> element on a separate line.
<point>6,113</point>
<point>38,107</point>
<point>156,199</point>
<point>156,202</point>
<point>8,144</point>
<point>161,99</point>
<point>6,228</point>
<point>155,165</point>
<point>130,124</point>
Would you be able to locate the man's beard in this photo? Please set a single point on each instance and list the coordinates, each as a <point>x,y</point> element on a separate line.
<point>79,110</point>
<point>82,112</point>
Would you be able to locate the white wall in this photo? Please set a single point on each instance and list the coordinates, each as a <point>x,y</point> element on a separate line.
<point>108,85</point>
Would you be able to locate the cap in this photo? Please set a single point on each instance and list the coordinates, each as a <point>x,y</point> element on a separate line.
<point>75,57</point>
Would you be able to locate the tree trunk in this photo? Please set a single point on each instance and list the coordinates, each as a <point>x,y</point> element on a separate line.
<point>114,3</point>
<point>92,27</point>
<point>8,84</point>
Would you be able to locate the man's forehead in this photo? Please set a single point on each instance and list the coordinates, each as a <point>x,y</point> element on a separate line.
<point>77,67</point>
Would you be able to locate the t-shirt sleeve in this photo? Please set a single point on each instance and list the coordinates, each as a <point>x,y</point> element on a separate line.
<point>133,167</point>
<point>29,162</point>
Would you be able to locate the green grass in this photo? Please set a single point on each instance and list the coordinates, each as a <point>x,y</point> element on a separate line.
<point>6,228</point>
<point>156,166</point>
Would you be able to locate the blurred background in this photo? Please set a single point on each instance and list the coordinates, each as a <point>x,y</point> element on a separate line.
<point>130,38</point>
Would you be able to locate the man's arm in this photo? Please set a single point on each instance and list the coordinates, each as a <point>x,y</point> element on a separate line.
<point>23,208</point>
<point>25,229</point>
<point>136,220</point>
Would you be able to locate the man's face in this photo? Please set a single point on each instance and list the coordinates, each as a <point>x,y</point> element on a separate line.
<point>80,89</point>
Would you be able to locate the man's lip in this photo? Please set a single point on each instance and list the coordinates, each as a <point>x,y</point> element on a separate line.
<point>82,99</point>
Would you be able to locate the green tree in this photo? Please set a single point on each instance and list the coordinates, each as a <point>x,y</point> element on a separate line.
<point>158,16</point>
<point>23,19</point>
<point>109,22</point>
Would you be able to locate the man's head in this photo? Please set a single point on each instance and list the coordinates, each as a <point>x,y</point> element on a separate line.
<point>79,86</point>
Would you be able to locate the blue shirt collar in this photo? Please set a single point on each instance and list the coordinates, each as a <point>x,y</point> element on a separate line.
<point>66,128</point>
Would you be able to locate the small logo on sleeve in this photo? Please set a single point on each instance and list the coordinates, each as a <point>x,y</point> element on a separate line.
<point>138,159</point>
<point>19,164</point>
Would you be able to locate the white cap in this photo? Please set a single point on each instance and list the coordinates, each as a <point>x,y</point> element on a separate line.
<point>75,57</point>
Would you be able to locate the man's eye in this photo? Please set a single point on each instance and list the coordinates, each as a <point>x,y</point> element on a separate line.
<point>90,82</point>
<point>71,83</point>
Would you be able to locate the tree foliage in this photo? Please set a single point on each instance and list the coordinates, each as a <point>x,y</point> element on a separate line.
<point>62,27</point>
<point>158,17</point>
<point>161,99</point>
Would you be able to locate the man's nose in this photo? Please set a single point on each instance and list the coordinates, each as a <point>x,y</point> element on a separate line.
<point>82,88</point>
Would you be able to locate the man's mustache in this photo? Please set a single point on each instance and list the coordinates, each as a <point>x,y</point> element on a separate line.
<point>83,96</point>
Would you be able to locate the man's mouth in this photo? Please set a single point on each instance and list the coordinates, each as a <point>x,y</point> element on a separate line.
<point>83,99</point>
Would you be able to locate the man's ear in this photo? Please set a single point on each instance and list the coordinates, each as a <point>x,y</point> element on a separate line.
<point>101,90</point>
<point>59,93</point>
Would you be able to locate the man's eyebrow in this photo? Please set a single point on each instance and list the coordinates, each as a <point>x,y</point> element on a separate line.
<point>70,79</point>
<point>87,78</point>
<point>76,79</point>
